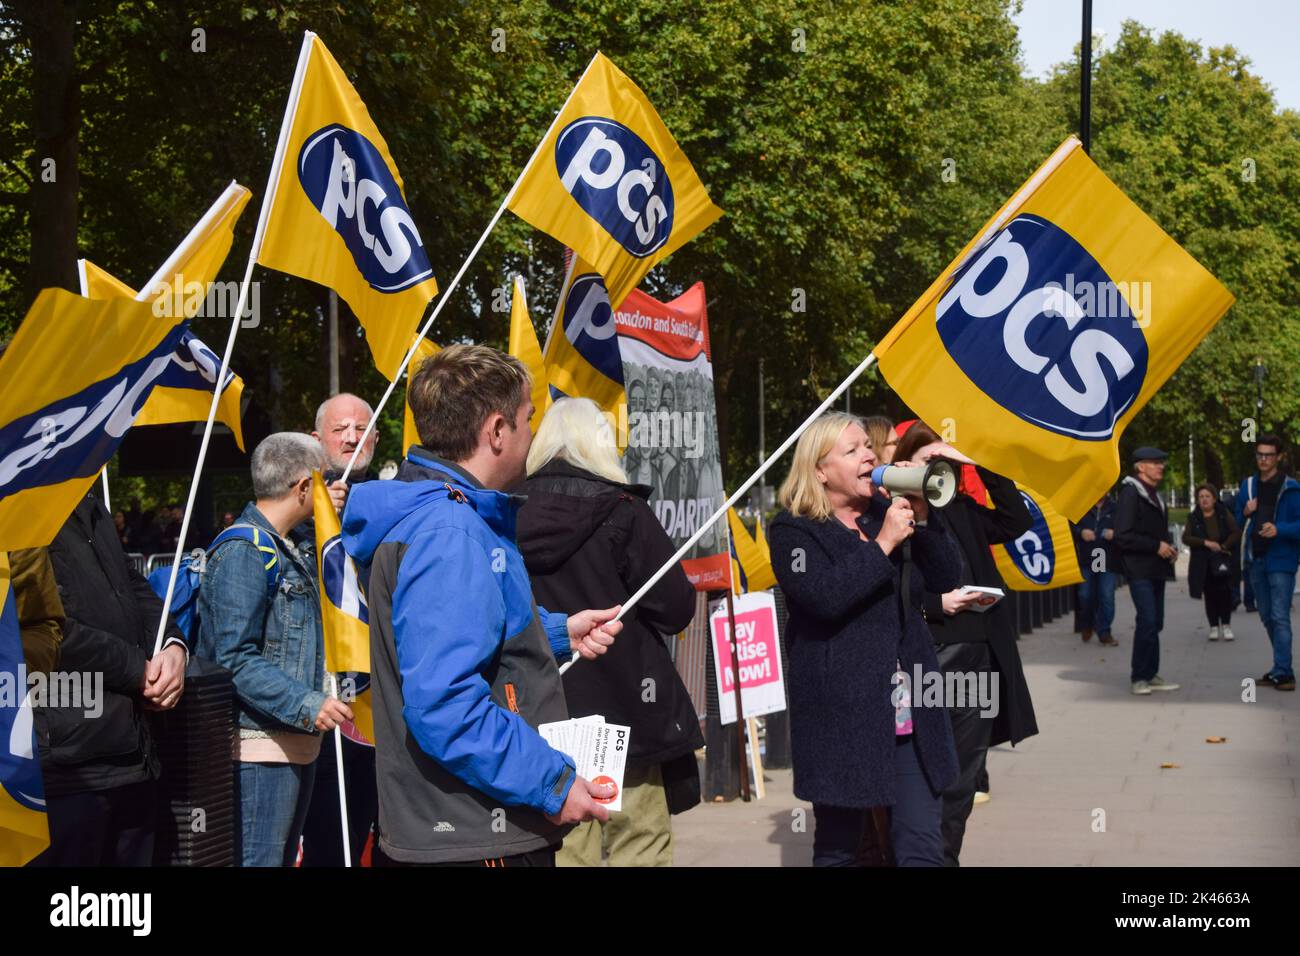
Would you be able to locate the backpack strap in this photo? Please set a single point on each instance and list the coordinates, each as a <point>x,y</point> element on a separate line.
<point>261,539</point>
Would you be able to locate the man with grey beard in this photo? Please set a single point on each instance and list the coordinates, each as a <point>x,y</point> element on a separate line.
<point>340,422</point>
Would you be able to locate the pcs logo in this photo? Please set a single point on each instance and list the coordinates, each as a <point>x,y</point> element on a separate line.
<point>193,365</point>
<point>346,178</point>
<point>589,324</point>
<point>618,181</point>
<point>1010,324</point>
<point>342,588</point>
<point>1032,552</point>
<point>19,769</point>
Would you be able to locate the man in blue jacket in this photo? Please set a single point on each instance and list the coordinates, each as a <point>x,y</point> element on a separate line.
<point>1268,509</point>
<point>463,662</point>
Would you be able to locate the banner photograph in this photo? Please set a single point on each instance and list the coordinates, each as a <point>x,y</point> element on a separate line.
<point>672,423</point>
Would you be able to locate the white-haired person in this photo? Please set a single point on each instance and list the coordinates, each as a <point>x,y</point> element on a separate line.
<point>857,739</point>
<point>589,539</point>
<point>259,617</point>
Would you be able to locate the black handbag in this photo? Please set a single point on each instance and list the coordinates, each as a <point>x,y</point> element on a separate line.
<point>1220,565</point>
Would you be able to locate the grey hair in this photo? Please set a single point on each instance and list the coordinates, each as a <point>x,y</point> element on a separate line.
<point>281,460</point>
<point>320,410</point>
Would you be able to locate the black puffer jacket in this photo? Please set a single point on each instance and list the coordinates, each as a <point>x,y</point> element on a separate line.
<point>975,528</point>
<point>591,543</point>
<point>111,617</point>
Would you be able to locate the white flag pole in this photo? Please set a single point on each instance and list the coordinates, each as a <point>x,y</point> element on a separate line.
<point>446,293</point>
<point>338,761</point>
<point>739,493</point>
<point>267,201</point>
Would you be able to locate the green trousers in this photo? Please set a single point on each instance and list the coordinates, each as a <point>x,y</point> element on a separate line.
<point>638,835</point>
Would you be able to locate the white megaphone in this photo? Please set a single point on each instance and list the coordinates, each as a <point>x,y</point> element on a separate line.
<point>937,481</point>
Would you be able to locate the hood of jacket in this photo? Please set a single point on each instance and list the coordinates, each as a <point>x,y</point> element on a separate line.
<point>1143,490</point>
<point>565,507</point>
<point>376,508</point>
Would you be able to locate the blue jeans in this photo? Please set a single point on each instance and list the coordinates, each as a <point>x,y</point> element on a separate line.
<point>1096,599</point>
<point>1149,603</point>
<point>915,820</point>
<point>1273,591</point>
<point>273,801</point>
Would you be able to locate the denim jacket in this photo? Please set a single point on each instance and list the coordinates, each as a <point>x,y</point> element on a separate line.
<point>272,646</point>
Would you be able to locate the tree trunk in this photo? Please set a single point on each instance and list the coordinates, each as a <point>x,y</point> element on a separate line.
<point>1213,468</point>
<point>56,118</point>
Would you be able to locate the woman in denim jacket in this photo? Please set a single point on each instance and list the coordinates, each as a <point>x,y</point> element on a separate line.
<point>266,630</point>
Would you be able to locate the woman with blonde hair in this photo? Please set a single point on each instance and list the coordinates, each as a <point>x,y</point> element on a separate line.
<point>586,531</point>
<point>884,438</point>
<point>857,739</point>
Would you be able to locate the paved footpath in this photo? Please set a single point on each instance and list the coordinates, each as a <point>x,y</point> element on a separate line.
<point>1098,759</point>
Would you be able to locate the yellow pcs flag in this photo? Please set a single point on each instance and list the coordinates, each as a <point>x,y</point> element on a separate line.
<point>178,290</point>
<point>97,283</point>
<point>180,287</point>
<point>583,359</point>
<point>751,563</point>
<point>24,825</point>
<point>75,376</point>
<point>1049,332</point>
<point>610,182</point>
<point>1044,556</point>
<point>345,617</point>
<point>184,392</point>
<point>524,346</point>
<point>410,435</point>
<point>337,213</point>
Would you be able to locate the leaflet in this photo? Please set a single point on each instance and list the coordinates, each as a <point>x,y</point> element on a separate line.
<point>598,750</point>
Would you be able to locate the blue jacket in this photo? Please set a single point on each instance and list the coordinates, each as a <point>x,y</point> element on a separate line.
<point>463,666</point>
<point>271,645</point>
<point>1098,521</point>
<point>1284,550</point>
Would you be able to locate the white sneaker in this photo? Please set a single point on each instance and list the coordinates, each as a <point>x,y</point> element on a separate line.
<point>1214,632</point>
<point>1227,634</point>
<point>1159,683</point>
<point>981,797</point>
<point>1141,687</point>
